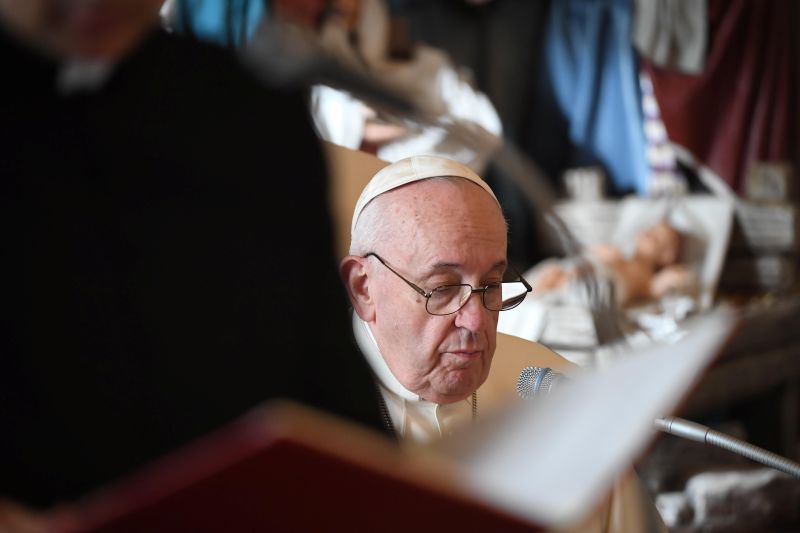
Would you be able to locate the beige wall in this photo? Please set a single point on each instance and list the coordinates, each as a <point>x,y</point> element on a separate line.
<point>349,172</point>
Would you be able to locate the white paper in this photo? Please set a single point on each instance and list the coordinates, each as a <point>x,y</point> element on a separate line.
<point>551,460</point>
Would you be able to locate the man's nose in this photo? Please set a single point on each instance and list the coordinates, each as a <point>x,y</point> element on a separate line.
<point>473,316</point>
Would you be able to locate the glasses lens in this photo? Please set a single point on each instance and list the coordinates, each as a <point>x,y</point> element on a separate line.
<point>493,297</point>
<point>512,295</point>
<point>448,299</point>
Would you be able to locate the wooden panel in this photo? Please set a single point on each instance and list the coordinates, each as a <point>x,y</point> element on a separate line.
<point>349,171</point>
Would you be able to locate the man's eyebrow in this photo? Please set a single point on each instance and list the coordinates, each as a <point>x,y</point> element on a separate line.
<point>444,266</point>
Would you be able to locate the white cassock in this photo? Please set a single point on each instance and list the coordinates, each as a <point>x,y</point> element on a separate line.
<point>627,508</point>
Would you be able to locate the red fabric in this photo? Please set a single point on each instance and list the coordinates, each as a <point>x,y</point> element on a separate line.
<point>744,106</point>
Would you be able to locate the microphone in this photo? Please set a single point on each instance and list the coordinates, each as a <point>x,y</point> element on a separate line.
<point>535,380</point>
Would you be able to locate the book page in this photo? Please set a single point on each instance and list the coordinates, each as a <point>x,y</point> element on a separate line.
<point>552,459</point>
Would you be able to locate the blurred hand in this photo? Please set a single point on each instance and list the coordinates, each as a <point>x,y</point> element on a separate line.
<point>672,279</point>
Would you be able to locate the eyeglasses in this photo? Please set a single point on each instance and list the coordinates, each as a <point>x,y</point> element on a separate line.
<point>447,299</point>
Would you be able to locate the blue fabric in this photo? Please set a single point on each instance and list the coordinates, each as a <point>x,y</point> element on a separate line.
<point>208,19</point>
<point>592,67</point>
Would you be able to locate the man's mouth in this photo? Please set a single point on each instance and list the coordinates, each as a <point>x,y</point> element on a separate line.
<point>468,354</point>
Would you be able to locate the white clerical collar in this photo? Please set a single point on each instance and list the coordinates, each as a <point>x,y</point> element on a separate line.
<point>369,347</point>
<point>80,75</point>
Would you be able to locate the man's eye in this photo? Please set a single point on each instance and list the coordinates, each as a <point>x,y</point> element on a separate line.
<point>446,290</point>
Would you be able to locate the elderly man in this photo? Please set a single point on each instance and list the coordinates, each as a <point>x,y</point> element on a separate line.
<point>427,276</point>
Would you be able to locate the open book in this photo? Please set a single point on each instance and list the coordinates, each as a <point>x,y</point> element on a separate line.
<point>539,465</point>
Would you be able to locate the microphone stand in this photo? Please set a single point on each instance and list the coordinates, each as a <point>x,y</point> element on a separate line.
<point>704,434</point>
<point>535,381</point>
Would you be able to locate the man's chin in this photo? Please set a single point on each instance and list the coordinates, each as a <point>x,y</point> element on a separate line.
<point>459,387</point>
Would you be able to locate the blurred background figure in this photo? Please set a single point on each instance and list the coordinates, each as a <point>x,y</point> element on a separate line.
<point>365,36</point>
<point>651,272</point>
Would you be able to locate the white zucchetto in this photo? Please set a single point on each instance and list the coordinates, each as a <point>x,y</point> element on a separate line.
<point>413,169</point>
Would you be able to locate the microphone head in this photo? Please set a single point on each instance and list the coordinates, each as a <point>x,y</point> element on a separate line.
<point>535,380</point>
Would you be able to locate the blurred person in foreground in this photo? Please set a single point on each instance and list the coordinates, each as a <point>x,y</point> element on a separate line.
<point>152,288</point>
<point>427,277</point>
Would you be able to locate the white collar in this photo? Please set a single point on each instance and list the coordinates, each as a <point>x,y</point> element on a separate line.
<point>83,75</point>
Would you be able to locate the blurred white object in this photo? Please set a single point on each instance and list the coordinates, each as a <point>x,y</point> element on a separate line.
<point>554,480</point>
<point>562,319</point>
<point>705,223</point>
<point>428,79</point>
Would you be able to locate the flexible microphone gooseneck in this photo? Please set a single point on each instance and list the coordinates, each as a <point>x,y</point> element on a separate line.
<point>700,433</point>
<point>537,380</point>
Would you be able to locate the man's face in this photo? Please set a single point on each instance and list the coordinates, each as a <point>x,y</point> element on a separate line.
<point>89,29</point>
<point>445,232</point>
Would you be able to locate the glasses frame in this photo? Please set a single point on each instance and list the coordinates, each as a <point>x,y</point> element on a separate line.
<point>481,290</point>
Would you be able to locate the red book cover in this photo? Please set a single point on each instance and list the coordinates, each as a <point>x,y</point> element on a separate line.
<point>285,468</point>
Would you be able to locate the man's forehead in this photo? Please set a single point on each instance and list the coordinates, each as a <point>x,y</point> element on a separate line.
<point>426,210</point>
<point>443,225</point>
<point>434,196</point>
<point>440,267</point>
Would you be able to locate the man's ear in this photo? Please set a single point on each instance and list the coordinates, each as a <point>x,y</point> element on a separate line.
<point>353,271</point>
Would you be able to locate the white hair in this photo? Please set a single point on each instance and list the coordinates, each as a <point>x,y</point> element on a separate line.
<point>372,228</point>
